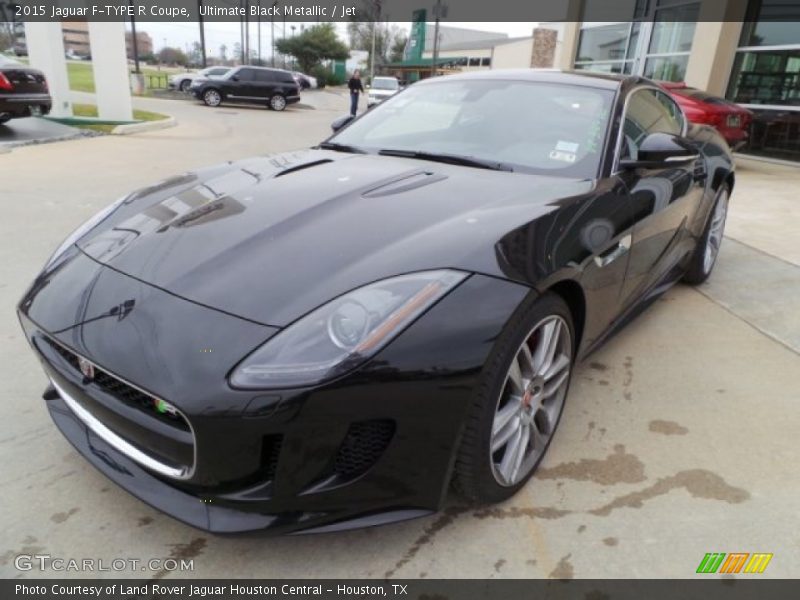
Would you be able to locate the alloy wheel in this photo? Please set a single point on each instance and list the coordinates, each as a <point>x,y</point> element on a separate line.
<point>212,98</point>
<point>531,401</point>
<point>277,102</point>
<point>715,231</point>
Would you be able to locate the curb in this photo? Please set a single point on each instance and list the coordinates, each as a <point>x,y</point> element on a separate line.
<point>144,126</point>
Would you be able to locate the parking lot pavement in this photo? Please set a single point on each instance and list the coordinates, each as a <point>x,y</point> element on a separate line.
<point>19,132</point>
<point>678,438</point>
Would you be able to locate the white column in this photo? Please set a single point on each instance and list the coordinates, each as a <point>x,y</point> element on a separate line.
<point>716,37</point>
<point>110,66</point>
<point>46,52</point>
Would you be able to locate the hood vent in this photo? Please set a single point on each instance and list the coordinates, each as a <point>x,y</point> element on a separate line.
<point>406,183</point>
<point>307,165</point>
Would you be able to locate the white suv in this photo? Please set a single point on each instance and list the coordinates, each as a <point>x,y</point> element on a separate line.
<point>381,89</point>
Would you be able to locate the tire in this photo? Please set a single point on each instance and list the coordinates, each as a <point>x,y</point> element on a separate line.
<point>480,475</point>
<point>277,102</point>
<point>705,254</point>
<point>212,97</point>
<point>184,85</point>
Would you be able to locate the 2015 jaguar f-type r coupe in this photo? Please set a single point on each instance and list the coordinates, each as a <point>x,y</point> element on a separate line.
<point>328,338</point>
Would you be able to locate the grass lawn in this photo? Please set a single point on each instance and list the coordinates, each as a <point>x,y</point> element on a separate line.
<point>90,110</point>
<point>81,76</point>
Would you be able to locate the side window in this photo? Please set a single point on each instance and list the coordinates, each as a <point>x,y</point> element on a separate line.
<point>246,74</point>
<point>266,76</point>
<point>674,110</point>
<point>648,111</point>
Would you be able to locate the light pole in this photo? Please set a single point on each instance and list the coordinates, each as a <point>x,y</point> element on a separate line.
<point>439,12</point>
<point>377,18</point>
<point>272,31</point>
<point>135,41</point>
<point>202,33</point>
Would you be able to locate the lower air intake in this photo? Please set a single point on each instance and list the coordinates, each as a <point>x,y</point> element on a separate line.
<point>361,448</point>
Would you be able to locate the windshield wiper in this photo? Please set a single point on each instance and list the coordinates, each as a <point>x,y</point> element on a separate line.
<point>341,147</point>
<point>452,159</point>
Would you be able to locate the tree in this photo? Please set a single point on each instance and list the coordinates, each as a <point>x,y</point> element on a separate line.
<point>314,45</point>
<point>387,39</point>
<point>398,48</point>
<point>223,53</point>
<point>172,56</point>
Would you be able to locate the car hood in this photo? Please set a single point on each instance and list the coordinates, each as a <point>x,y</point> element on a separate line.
<point>270,238</point>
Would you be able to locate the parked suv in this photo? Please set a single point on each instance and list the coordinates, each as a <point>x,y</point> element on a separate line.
<point>274,87</point>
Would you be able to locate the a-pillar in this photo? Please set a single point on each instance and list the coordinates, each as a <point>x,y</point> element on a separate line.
<point>110,65</point>
<point>45,43</point>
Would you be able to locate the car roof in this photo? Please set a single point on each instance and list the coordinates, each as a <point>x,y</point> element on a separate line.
<point>261,68</point>
<point>610,81</point>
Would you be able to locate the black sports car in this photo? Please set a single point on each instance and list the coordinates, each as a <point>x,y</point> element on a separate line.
<point>329,338</point>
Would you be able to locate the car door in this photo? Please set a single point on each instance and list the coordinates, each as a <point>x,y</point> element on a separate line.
<point>265,84</point>
<point>242,85</point>
<point>663,199</point>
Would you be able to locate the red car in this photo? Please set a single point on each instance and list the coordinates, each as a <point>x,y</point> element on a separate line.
<point>730,119</point>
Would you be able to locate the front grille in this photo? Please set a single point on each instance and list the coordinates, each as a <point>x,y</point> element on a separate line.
<point>361,448</point>
<point>122,391</point>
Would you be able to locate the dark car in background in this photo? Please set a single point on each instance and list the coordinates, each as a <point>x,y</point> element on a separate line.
<point>329,338</point>
<point>23,91</point>
<point>730,119</point>
<point>261,85</point>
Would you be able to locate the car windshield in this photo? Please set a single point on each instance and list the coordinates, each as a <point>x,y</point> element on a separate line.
<point>536,127</point>
<point>385,84</point>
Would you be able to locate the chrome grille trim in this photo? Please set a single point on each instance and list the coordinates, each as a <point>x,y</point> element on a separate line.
<point>117,442</point>
<point>113,439</point>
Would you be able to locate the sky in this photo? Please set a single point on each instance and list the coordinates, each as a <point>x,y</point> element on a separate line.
<point>182,35</point>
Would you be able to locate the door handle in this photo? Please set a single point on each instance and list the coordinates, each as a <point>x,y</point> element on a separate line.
<point>609,256</point>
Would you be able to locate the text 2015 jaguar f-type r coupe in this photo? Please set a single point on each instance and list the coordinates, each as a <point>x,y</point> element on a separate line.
<point>328,338</point>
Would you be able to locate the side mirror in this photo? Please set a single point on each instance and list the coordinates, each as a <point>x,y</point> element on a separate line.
<point>235,78</point>
<point>341,122</point>
<point>660,150</point>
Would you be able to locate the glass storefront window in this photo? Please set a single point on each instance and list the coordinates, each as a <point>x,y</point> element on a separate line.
<point>609,67</point>
<point>604,43</point>
<point>766,77</point>
<point>666,68</point>
<point>783,28</point>
<point>673,29</point>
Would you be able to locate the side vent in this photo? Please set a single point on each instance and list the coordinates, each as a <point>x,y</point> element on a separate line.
<point>404,184</point>
<point>307,165</point>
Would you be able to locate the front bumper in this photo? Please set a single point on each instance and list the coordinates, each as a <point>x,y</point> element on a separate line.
<point>374,447</point>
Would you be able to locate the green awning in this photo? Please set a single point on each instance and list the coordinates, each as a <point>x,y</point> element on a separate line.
<point>425,63</point>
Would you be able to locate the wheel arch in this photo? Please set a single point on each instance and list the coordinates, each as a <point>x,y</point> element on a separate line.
<point>572,293</point>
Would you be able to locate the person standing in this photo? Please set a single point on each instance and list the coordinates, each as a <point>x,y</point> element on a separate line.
<point>356,88</point>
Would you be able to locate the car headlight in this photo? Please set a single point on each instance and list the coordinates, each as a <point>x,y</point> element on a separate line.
<point>84,229</point>
<point>344,333</point>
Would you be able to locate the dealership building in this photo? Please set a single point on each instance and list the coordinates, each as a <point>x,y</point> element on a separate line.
<point>747,51</point>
